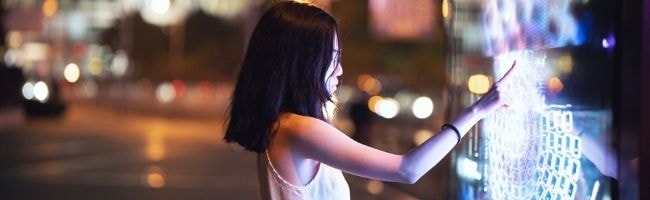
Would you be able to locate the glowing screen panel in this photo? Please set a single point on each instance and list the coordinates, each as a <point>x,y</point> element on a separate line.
<point>552,141</point>
<point>512,25</point>
<point>530,148</point>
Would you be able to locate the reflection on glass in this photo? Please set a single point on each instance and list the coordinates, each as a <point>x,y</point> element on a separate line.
<point>155,146</point>
<point>536,24</point>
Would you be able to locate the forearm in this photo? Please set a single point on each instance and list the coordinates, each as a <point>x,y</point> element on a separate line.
<point>422,158</point>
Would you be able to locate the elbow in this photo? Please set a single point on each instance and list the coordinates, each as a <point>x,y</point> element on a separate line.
<point>412,180</point>
<point>407,176</point>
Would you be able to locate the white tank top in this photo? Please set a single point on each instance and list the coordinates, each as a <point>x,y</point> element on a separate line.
<point>328,183</point>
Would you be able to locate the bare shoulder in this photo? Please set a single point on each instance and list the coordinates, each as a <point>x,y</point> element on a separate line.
<point>295,124</point>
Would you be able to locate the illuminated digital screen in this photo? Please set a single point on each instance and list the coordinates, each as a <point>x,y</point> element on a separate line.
<point>529,24</point>
<point>532,155</point>
<point>553,140</point>
<point>531,149</point>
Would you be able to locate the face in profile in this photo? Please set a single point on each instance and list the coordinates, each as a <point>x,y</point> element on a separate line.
<point>334,70</point>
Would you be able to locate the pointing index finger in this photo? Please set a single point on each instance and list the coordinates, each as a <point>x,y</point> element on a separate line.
<point>509,72</point>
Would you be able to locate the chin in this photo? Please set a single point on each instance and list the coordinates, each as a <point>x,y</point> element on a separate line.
<point>333,89</point>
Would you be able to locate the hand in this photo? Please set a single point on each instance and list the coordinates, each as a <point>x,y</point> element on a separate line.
<point>495,97</point>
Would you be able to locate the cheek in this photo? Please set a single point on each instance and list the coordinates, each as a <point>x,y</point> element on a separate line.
<point>328,74</point>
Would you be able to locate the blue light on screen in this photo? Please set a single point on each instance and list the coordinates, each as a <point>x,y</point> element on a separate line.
<point>512,25</point>
<point>531,148</point>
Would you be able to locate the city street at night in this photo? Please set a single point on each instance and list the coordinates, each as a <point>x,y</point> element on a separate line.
<point>366,99</point>
<point>100,152</point>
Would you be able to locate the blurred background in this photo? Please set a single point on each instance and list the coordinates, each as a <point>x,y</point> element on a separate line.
<point>125,99</point>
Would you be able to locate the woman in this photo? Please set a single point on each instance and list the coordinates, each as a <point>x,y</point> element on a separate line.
<point>289,72</point>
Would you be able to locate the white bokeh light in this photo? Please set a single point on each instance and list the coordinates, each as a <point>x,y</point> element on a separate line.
<point>41,92</point>
<point>28,90</point>
<point>165,12</point>
<point>165,92</point>
<point>159,6</point>
<point>227,9</point>
<point>387,108</point>
<point>13,57</point>
<point>468,169</point>
<point>422,107</point>
<point>120,63</point>
<point>71,73</point>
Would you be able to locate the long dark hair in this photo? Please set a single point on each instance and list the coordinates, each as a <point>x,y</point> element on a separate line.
<point>283,71</point>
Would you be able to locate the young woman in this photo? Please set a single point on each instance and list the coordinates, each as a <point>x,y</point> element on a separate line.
<point>289,72</point>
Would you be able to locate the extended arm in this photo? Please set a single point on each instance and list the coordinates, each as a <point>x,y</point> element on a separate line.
<point>320,141</point>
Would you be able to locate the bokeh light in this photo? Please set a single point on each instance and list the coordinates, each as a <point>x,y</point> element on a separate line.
<point>35,51</point>
<point>120,63</point>
<point>77,25</point>
<point>12,57</point>
<point>14,39</point>
<point>422,107</point>
<point>41,92</point>
<point>369,84</point>
<point>159,6</point>
<point>478,84</point>
<point>468,169</point>
<point>155,145</point>
<point>387,108</point>
<point>71,73</point>
<point>50,7</point>
<point>179,88</point>
<point>165,92</point>
<point>28,90</point>
<point>155,177</point>
<point>565,64</point>
<point>375,187</point>
<point>225,8</point>
<point>372,103</point>
<point>555,85</point>
<point>165,12</point>
<point>609,42</point>
<point>421,136</point>
<point>95,66</point>
<point>445,9</point>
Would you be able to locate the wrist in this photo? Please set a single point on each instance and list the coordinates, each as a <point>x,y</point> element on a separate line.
<point>474,114</point>
<point>467,119</point>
